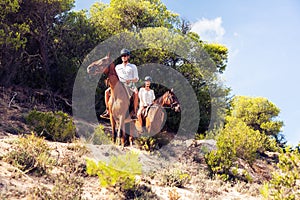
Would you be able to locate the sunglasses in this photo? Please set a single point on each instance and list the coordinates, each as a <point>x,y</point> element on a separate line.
<point>124,55</point>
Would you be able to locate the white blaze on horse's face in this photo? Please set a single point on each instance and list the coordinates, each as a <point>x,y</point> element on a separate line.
<point>175,103</point>
<point>177,108</point>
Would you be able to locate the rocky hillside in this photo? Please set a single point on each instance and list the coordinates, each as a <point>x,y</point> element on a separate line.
<point>182,175</point>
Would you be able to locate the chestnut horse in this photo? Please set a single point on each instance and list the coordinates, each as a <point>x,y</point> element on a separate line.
<point>155,114</point>
<point>119,101</point>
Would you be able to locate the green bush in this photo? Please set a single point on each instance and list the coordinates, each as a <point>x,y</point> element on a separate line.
<point>119,172</point>
<point>30,154</point>
<point>236,140</point>
<point>100,137</point>
<point>285,182</point>
<point>57,126</point>
<point>147,143</point>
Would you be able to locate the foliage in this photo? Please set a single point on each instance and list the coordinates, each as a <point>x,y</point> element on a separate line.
<point>250,125</point>
<point>30,154</point>
<point>259,114</point>
<point>73,26</point>
<point>236,140</point>
<point>78,147</point>
<point>199,136</point>
<point>130,15</point>
<point>140,191</point>
<point>11,31</point>
<point>57,126</point>
<point>66,186</point>
<point>284,184</point>
<point>200,70</point>
<point>147,143</point>
<point>119,172</point>
<point>28,47</point>
<point>100,137</point>
<point>175,177</point>
<point>39,49</point>
<point>219,54</point>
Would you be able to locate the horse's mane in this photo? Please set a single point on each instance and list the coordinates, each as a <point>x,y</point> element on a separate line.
<point>159,100</point>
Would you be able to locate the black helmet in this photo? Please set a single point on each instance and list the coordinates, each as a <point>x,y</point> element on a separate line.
<point>125,52</point>
<point>148,78</point>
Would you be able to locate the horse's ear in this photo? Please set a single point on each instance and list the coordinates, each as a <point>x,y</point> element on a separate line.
<point>108,54</point>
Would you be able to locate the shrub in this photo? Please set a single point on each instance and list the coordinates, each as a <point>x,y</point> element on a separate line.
<point>147,143</point>
<point>285,182</point>
<point>119,172</point>
<point>30,154</point>
<point>66,186</point>
<point>174,178</point>
<point>259,114</point>
<point>236,140</point>
<point>100,137</point>
<point>57,126</point>
<point>141,192</point>
<point>78,147</point>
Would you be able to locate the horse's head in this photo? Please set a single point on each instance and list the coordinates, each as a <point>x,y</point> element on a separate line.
<point>170,99</point>
<point>100,66</point>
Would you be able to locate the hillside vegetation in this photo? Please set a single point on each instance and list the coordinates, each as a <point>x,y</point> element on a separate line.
<point>237,151</point>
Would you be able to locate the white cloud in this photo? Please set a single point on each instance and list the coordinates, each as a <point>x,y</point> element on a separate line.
<point>209,30</point>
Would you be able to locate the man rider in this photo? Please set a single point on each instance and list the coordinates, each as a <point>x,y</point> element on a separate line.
<point>128,75</point>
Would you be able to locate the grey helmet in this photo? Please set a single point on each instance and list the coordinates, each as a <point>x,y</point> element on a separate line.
<point>148,78</point>
<point>125,52</point>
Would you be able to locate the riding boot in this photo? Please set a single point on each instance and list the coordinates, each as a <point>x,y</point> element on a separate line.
<point>105,114</point>
<point>133,116</point>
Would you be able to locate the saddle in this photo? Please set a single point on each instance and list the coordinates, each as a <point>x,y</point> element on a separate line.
<point>145,111</point>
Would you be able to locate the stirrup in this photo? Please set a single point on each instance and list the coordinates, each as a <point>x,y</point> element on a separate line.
<point>105,114</point>
<point>134,117</point>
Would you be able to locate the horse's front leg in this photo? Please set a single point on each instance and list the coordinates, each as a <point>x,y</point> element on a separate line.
<point>113,128</point>
<point>132,130</point>
<point>122,133</point>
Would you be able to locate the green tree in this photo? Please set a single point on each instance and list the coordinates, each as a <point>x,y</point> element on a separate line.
<point>12,40</point>
<point>259,114</point>
<point>219,54</point>
<point>251,127</point>
<point>73,38</point>
<point>131,15</point>
<point>34,61</point>
<point>39,49</point>
<point>236,140</point>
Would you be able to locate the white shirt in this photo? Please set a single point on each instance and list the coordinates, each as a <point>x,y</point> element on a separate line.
<point>127,72</point>
<point>146,97</point>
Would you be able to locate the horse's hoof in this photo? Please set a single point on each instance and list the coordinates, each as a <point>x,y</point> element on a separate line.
<point>118,142</point>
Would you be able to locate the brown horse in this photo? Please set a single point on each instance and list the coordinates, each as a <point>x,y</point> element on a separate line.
<point>119,101</point>
<point>154,117</point>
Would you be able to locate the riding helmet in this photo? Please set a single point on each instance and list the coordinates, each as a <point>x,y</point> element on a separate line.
<point>148,78</point>
<point>125,52</point>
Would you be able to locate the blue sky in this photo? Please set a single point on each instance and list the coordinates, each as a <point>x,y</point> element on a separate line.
<point>263,37</point>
